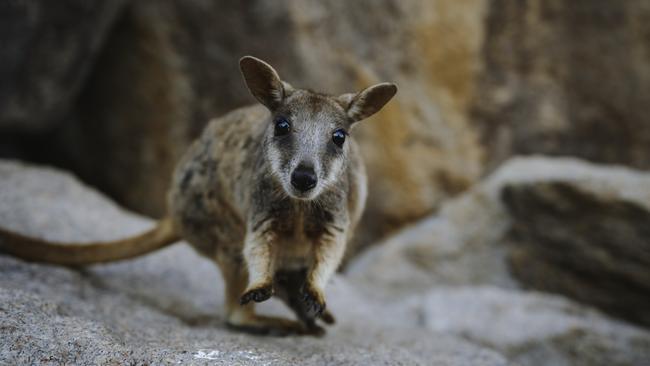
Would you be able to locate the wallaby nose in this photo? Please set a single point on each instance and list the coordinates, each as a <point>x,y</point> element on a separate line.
<point>303,178</point>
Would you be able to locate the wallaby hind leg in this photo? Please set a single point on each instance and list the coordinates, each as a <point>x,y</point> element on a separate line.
<point>243,317</point>
<point>289,286</point>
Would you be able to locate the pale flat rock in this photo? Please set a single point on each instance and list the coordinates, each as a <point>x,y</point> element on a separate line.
<point>165,308</point>
<point>584,233</point>
<point>533,328</point>
<point>462,243</point>
<point>65,316</point>
<point>460,262</point>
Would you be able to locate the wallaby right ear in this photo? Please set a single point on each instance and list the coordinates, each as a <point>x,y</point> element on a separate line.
<point>368,101</point>
<point>262,81</point>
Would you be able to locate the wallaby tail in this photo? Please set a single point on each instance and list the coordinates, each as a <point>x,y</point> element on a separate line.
<point>38,250</point>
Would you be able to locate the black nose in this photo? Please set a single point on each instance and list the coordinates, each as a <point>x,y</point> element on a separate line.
<point>303,178</point>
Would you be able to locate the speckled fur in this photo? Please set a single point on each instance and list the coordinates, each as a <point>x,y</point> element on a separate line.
<point>224,185</point>
<point>232,199</point>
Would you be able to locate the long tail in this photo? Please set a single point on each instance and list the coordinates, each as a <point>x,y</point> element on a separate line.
<point>38,250</point>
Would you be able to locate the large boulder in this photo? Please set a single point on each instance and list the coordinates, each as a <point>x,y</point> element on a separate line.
<point>460,245</point>
<point>462,270</point>
<point>479,81</point>
<point>585,235</point>
<point>171,65</point>
<point>48,49</point>
<point>566,78</point>
<point>554,224</point>
<point>532,328</point>
<point>166,308</point>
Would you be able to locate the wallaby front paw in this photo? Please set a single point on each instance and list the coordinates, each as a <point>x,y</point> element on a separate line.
<point>257,294</point>
<point>314,301</point>
<point>327,317</point>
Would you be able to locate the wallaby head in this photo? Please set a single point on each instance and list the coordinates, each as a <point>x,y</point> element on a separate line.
<point>305,140</point>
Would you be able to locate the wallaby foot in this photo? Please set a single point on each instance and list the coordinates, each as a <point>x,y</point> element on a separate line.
<point>289,286</point>
<point>257,294</point>
<point>272,326</point>
<point>314,300</point>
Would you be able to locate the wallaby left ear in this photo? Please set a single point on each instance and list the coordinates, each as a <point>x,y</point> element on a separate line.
<point>262,81</point>
<point>367,102</point>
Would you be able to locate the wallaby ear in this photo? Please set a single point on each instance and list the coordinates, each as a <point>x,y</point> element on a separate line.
<point>262,81</point>
<point>368,101</point>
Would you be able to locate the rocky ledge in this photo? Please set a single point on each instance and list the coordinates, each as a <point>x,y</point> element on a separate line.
<point>437,293</point>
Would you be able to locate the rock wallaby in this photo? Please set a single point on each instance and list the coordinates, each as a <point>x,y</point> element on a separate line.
<point>271,193</point>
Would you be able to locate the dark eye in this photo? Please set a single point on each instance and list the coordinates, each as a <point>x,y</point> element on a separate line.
<point>338,137</point>
<point>282,126</point>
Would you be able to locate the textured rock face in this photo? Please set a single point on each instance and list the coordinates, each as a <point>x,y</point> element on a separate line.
<point>166,308</point>
<point>479,81</point>
<point>567,78</point>
<point>534,329</point>
<point>118,89</point>
<point>558,225</point>
<point>170,66</point>
<point>591,245</point>
<point>47,51</point>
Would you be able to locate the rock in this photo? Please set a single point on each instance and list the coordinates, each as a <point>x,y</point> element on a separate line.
<point>461,244</point>
<point>586,235</point>
<point>479,82</point>
<point>165,308</point>
<point>458,246</point>
<point>533,328</point>
<point>47,51</point>
<point>454,269</point>
<point>564,226</point>
<point>170,66</point>
<point>58,316</point>
<point>566,78</point>
<point>135,117</point>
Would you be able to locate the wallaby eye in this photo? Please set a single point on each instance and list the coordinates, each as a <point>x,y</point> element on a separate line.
<point>338,137</point>
<point>282,126</point>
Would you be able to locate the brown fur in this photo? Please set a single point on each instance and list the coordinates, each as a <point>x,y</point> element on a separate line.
<point>234,197</point>
<point>71,254</point>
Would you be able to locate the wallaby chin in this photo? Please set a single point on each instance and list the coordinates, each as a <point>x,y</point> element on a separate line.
<point>304,197</point>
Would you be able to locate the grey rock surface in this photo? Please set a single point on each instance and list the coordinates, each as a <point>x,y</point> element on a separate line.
<point>566,78</point>
<point>165,308</point>
<point>170,66</point>
<point>48,49</point>
<point>532,328</point>
<point>586,238</point>
<point>461,259</point>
